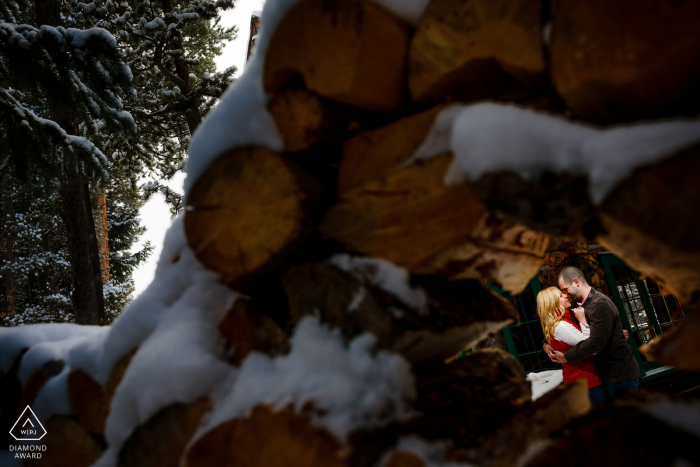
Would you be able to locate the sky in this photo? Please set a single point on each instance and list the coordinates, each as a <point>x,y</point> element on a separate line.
<point>155,215</point>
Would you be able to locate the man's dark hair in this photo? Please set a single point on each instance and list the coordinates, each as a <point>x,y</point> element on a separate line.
<point>569,273</point>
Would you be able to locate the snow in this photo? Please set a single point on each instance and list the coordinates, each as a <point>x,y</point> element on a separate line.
<point>349,384</point>
<point>488,137</point>
<point>384,275</point>
<point>544,382</point>
<point>410,11</point>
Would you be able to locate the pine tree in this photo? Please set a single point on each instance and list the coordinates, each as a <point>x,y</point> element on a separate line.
<point>58,88</point>
<point>170,47</point>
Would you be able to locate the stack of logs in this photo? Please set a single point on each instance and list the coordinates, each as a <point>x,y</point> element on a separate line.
<point>562,253</point>
<point>355,91</point>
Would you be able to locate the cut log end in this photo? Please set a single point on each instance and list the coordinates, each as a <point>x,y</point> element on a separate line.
<point>350,51</point>
<point>477,49</point>
<point>249,211</point>
<point>267,438</point>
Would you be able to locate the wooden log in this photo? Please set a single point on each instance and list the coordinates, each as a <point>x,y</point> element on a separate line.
<point>10,399</point>
<point>554,203</point>
<point>457,314</point>
<point>549,413</point>
<point>409,217</point>
<point>648,68</point>
<point>249,212</point>
<point>498,251</point>
<point>89,400</point>
<point>68,444</point>
<point>349,51</point>
<point>36,382</point>
<point>621,435</point>
<point>246,330</point>
<point>161,441</point>
<point>679,346</point>
<point>469,398</point>
<point>267,438</point>
<point>556,258</point>
<point>659,239</point>
<point>467,50</point>
<point>401,458</point>
<point>372,153</point>
<point>304,119</point>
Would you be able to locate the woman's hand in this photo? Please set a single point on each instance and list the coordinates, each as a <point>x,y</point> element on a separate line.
<point>580,315</point>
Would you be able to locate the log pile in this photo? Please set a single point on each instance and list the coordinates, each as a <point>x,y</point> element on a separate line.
<point>355,92</point>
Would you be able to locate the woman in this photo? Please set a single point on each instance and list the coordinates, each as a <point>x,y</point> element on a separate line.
<point>562,332</point>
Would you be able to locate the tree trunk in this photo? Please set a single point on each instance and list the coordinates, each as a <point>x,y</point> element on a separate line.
<point>99,204</point>
<point>83,253</point>
<point>8,290</point>
<point>77,213</point>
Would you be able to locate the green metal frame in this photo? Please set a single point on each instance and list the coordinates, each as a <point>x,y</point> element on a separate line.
<point>648,369</point>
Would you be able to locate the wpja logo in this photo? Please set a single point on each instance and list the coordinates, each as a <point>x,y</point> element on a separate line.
<point>28,428</point>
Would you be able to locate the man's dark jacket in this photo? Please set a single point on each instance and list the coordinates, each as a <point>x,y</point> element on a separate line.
<point>607,344</point>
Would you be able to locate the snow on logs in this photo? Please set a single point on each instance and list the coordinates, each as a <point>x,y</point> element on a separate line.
<point>349,51</point>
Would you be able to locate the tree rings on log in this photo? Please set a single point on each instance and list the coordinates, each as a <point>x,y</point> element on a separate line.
<point>406,216</point>
<point>650,221</point>
<point>348,51</point>
<point>626,60</point>
<point>249,211</point>
<point>267,438</point>
<point>467,50</point>
<point>161,441</point>
<point>372,153</point>
<point>304,119</point>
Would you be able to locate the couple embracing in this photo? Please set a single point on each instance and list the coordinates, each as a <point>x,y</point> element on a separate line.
<point>587,340</point>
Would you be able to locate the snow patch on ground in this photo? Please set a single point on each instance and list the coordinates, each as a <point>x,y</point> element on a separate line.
<point>544,381</point>
<point>349,384</point>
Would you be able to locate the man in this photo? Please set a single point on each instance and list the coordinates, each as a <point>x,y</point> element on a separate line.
<point>607,344</point>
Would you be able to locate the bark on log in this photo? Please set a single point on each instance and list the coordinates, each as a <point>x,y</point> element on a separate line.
<point>412,219</point>
<point>678,347</point>
<point>372,153</point>
<point>304,119</point>
<point>68,444</point>
<point>546,415</point>
<point>458,314</point>
<point>476,49</point>
<point>647,68</point>
<point>267,438</point>
<point>349,51</point>
<point>89,400</point>
<point>247,330</point>
<point>404,459</point>
<point>249,212</point>
<point>659,239</point>
<point>469,398</point>
<point>161,441</point>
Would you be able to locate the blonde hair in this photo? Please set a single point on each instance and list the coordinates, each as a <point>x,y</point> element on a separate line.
<point>550,311</point>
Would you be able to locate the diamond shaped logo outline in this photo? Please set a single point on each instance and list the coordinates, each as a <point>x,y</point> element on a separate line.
<point>35,418</point>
